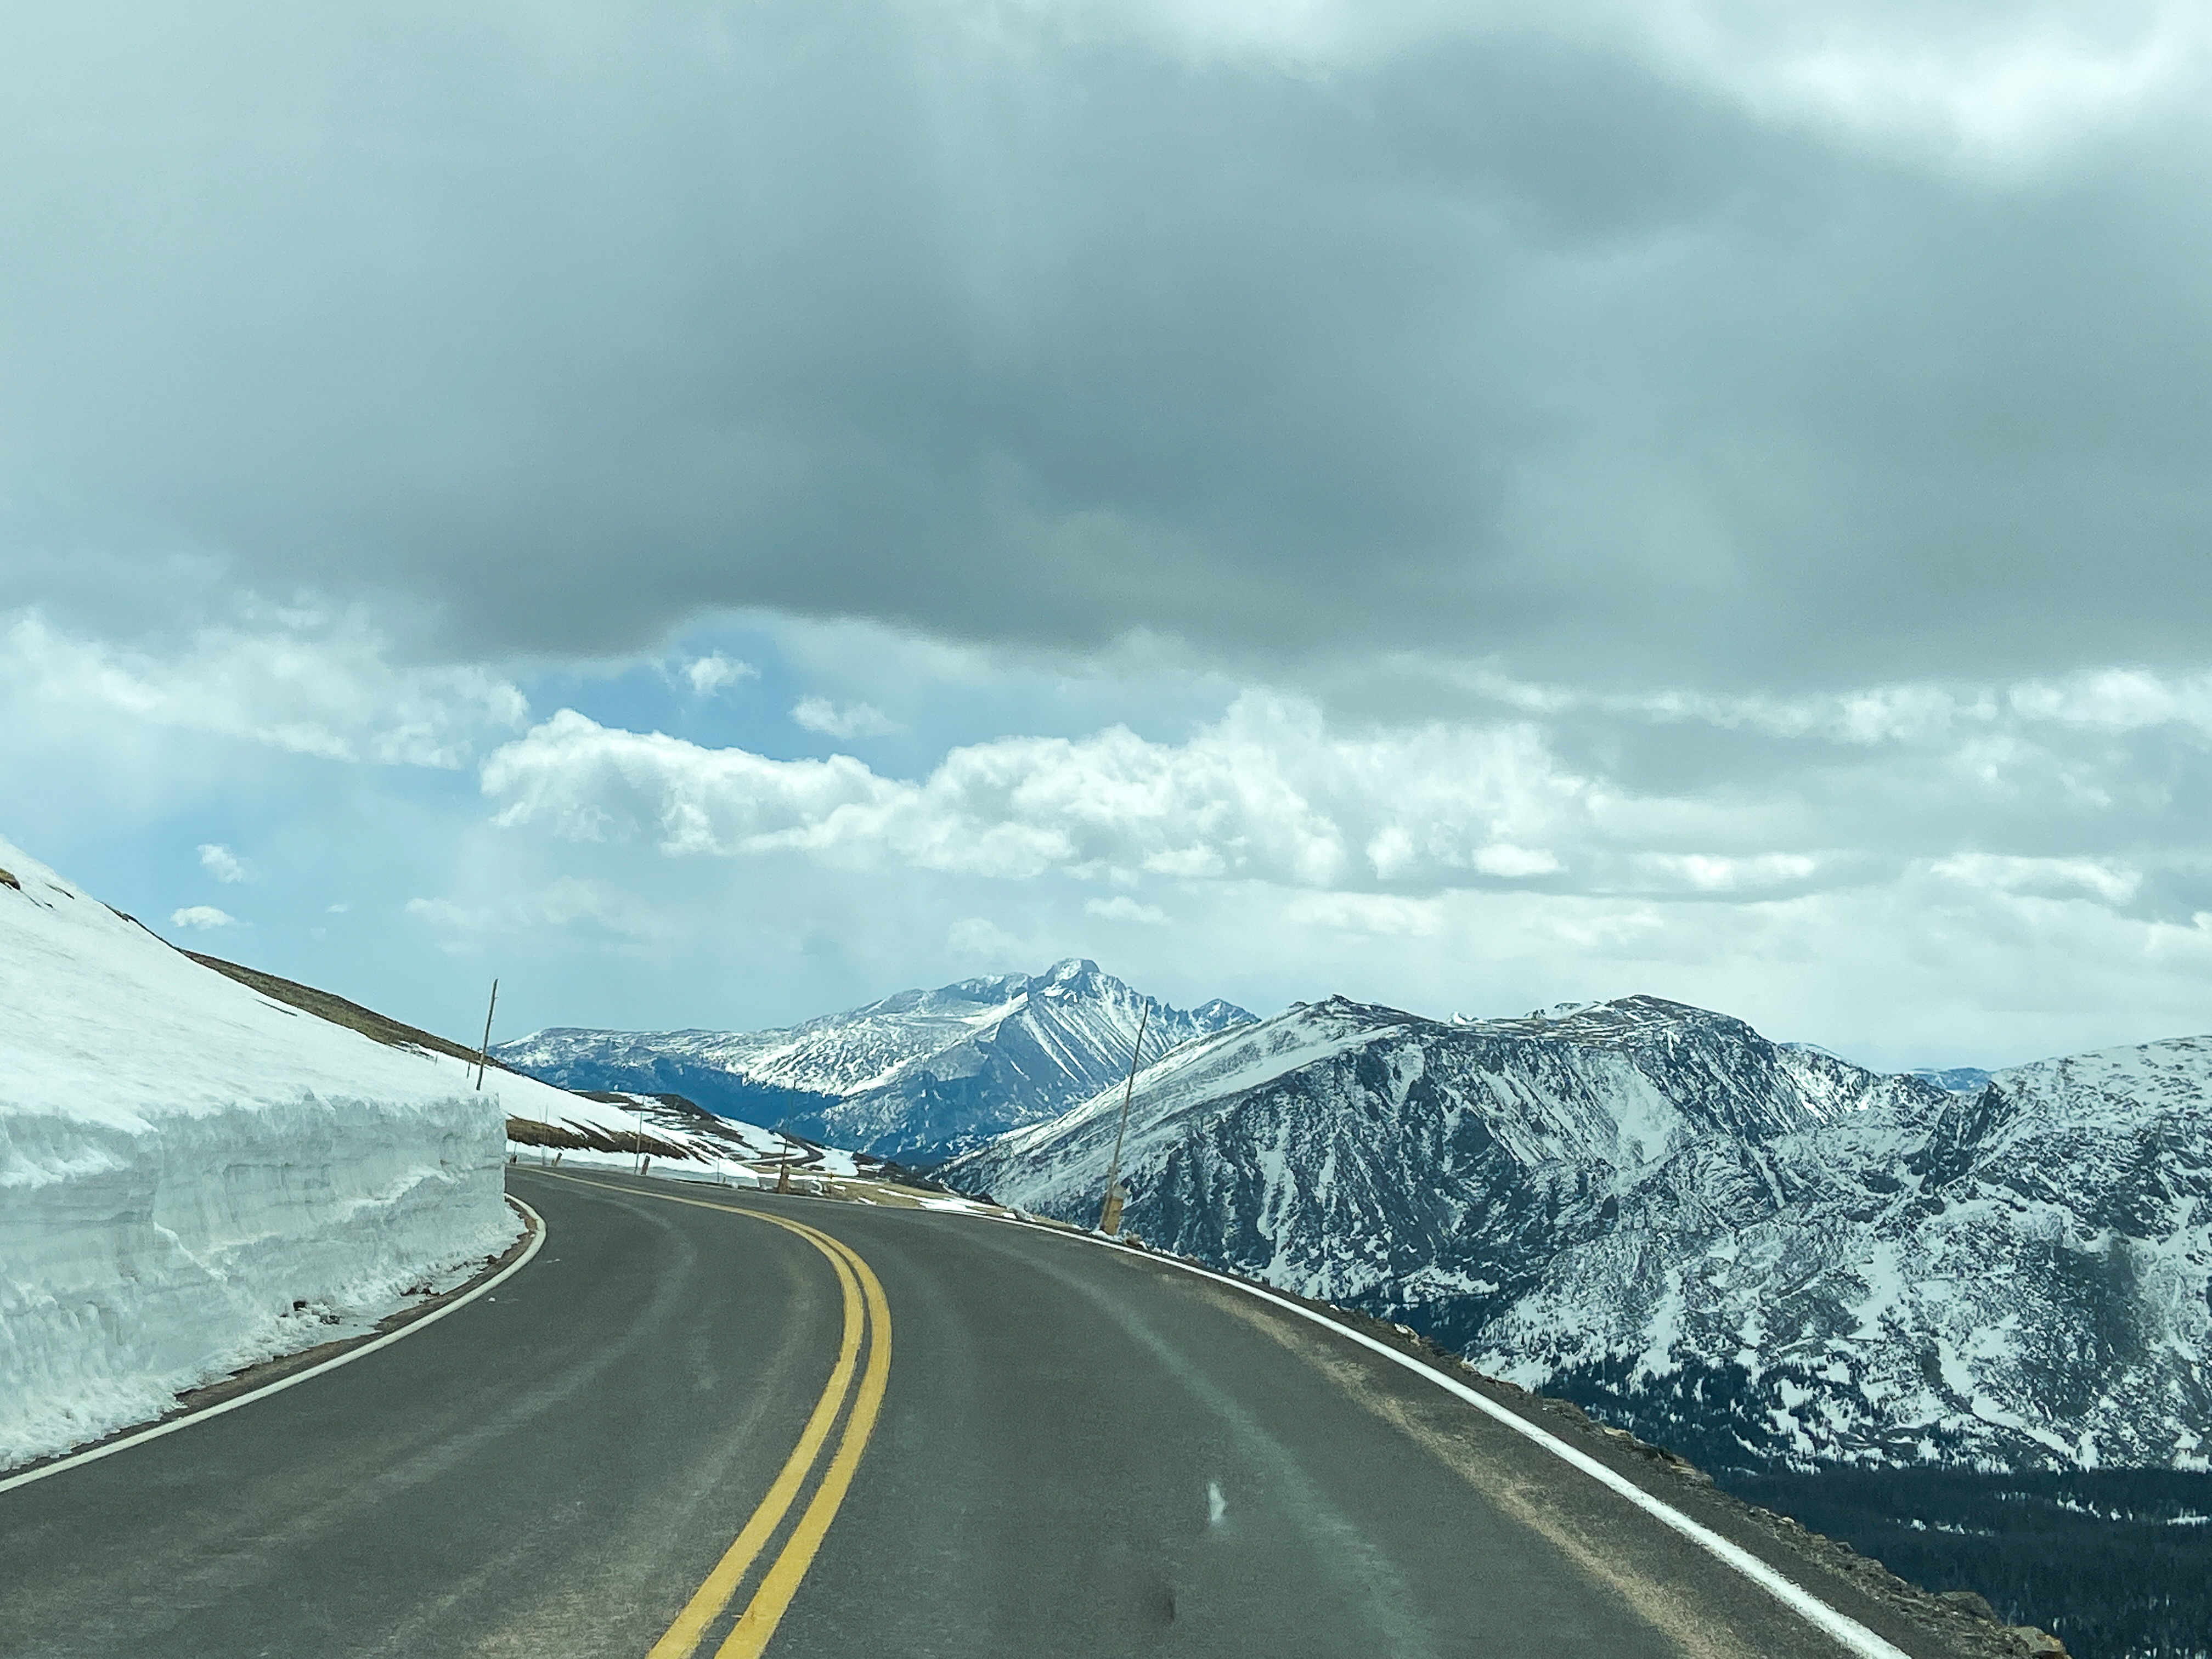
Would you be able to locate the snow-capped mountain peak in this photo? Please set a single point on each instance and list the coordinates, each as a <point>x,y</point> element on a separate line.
<point>914,1076</point>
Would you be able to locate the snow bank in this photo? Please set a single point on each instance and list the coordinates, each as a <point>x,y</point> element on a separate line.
<point>194,1177</point>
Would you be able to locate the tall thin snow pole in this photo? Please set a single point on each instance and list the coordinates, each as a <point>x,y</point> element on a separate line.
<point>484,1053</point>
<point>1108,1211</point>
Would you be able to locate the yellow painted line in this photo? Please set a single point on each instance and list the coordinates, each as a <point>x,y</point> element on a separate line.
<point>683,1637</point>
<point>772,1598</point>
<point>757,1623</point>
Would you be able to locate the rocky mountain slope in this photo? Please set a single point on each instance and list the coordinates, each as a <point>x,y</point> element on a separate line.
<point>915,1076</point>
<point>1758,1254</point>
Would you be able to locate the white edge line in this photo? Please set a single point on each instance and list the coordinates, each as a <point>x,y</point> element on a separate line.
<point>1845,1629</point>
<point>537,1243</point>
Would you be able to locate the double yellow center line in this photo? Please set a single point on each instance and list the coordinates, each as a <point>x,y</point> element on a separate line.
<point>867,1324</point>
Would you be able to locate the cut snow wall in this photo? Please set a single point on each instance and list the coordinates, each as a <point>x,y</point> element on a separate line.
<point>144,1265</point>
<point>193,1177</point>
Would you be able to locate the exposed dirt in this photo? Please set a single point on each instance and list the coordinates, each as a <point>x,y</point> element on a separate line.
<point>576,1137</point>
<point>370,1024</point>
<point>338,1011</point>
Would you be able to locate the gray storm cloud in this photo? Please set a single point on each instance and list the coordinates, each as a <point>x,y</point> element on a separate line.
<point>545,328</point>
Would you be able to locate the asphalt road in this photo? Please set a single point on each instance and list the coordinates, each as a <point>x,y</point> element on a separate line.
<point>1069,1450</point>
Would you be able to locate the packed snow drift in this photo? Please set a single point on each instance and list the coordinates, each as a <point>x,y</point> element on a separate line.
<point>194,1177</point>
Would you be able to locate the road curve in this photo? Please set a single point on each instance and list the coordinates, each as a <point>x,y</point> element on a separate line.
<point>1068,1449</point>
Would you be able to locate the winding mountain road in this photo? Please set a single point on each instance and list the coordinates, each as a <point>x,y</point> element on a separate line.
<point>706,1422</point>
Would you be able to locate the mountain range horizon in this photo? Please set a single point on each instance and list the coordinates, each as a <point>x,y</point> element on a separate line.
<point>1062,966</point>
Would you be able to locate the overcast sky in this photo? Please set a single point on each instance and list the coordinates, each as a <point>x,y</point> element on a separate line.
<point>716,512</point>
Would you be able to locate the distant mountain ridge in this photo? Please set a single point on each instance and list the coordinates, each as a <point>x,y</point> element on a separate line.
<point>1757,1253</point>
<point>914,1077</point>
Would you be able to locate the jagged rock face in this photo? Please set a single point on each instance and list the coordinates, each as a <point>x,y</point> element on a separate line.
<point>1755,1253</point>
<point>914,1077</point>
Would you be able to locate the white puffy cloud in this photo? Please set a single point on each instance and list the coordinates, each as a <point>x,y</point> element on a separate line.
<point>1267,792</point>
<point>203,917</point>
<point>222,863</point>
<point>1952,873</point>
<point>1705,872</point>
<point>2117,700</point>
<point>301,682</point>
<point>2020,862</point>
<point>1916,970</point>
<point>2019,787</point>
<point>715,673</point>
<point>1503,859</point>
<point>853,720</point>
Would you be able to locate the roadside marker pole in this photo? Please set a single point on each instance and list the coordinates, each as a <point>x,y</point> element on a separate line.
<point>1109,1211</point>
<point>484,1053</point>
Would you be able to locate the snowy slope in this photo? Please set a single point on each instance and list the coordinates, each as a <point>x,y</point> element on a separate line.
<point>2023,1279</point>
<point>1959,1079</point>
<point>612,1127</point>
<point>194,1177</point>
<point>1617,1087</point>
<point>602,1127</point>
<point>1753,1252</point>
<point>912,1077</point>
